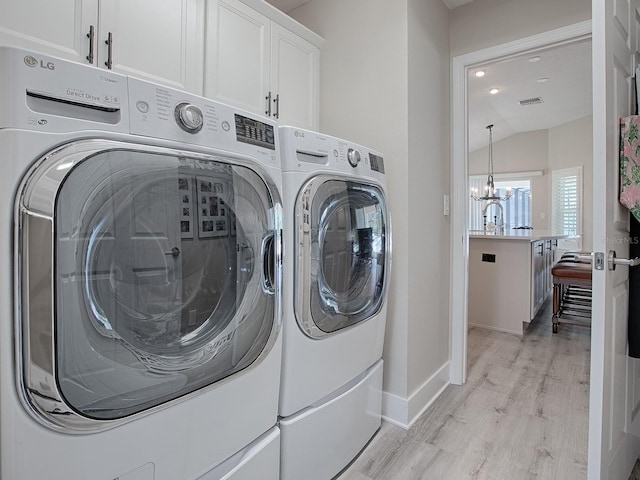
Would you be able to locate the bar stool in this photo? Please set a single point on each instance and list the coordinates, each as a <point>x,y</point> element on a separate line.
<point>571,292</point>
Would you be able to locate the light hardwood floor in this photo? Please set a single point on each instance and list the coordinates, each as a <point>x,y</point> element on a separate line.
<point>523,414</point>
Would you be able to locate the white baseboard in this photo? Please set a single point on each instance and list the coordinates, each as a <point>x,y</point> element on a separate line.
<point>403,412</point>
<point>495,329</point>
<point>622,461</point>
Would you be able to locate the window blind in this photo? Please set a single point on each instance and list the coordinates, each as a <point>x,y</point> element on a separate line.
<point>566,208</point>
<point>567,201</point>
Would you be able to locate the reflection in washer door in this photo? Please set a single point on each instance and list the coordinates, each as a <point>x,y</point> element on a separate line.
<point>347,252</point>
<point>157,288</point>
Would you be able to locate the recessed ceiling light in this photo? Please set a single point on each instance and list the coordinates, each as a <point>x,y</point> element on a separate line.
<point>534,59</point>
<point>493,91</point>
<point>543,79</point>
<point>480,73</point>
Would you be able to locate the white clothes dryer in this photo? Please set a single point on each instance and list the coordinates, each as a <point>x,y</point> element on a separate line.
<point>337,253</point>
<point>143,277</point>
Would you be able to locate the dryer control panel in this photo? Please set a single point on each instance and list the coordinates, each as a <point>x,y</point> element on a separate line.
<point>307,151</point>
<point>376,162</point>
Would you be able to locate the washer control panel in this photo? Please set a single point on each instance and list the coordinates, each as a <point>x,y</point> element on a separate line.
<point>164,113</point>
<point>255,132</point>
<point>189,117</point>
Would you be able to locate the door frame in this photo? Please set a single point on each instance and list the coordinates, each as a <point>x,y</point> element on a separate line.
<point>458,306</point>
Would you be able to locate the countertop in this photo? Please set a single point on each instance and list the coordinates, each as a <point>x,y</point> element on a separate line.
<point>520,235</point>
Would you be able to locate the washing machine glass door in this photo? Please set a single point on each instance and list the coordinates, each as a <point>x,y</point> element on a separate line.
<point>162,279</point>
<point>343,254</point>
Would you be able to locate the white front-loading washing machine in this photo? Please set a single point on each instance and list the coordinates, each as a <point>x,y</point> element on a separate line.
<point>337,253</point>
<point>140,283</point>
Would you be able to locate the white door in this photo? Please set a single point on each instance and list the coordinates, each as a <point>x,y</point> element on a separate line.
<point>295,67</point>
<point>615,378</point>
<point>153,39</point>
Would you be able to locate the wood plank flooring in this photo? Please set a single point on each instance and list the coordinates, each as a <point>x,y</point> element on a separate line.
<point>523,414</point>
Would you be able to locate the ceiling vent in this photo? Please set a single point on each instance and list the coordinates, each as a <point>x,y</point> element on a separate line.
<point>530,101</point>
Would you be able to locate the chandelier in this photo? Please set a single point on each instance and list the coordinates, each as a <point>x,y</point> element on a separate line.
<point>490,192</point>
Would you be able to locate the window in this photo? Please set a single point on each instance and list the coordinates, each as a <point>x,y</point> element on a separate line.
<point>566,205</point>
<point>516,210</point>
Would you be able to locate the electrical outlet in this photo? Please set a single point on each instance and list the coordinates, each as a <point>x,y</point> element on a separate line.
<point>489,257</point>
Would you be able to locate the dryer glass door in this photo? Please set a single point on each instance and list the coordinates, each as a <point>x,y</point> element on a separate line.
<point>342,233</point>
<point>163,276</point>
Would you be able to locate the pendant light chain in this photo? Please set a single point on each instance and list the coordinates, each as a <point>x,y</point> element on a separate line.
<point>490,186</point>
<point>490,190</point>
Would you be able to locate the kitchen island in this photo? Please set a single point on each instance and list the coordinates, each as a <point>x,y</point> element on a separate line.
<point>509,277</point>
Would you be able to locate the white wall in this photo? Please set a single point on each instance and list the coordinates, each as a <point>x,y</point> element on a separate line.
<point>571,145</point>
<point>361,101</point>
<point>520,153</point>
<point>385,70</point>
<point>429,168</point>
<point>564,146</point>
<point>485,23</point>
<point>372,94</point>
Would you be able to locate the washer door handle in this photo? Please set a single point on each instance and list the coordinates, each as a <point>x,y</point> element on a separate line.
<point>269,263</point>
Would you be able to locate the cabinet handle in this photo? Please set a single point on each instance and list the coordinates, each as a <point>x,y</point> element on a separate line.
<point>277,102</point>
<point>91,36</point>
<point>267,112</point>
<point>109,42</point>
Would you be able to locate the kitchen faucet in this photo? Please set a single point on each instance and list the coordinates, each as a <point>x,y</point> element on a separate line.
<point>500,225</point>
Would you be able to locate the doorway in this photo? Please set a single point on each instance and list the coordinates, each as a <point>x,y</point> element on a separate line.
<point>461,67</point>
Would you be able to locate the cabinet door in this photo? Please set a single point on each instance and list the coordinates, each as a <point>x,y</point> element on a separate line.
<point>158,40</point>
<point>537,276</point>
<point>237,55</point>
<point>295,66</point>
<point>548,260</point>
<point>57,28</point>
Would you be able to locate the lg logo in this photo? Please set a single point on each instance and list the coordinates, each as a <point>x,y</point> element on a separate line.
<point>30,61</point>
<point>33,62</point>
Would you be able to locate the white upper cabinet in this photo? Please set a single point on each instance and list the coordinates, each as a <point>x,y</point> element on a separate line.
<point>238,55</point>
<point>295,79</point>
<point>262,65</point>
<point>57,28</point>
<point>159,40</point>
